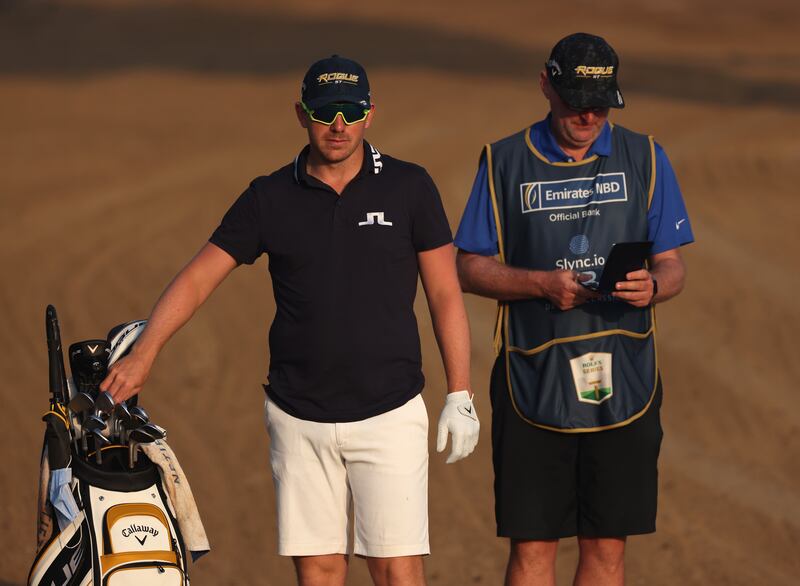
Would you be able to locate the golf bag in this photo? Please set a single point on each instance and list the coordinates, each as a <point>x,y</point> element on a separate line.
<point>104,515</point>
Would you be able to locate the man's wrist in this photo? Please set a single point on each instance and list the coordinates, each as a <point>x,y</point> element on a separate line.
<point>146,354</point>
<point>655,290</point>
<point>535,283</point>
<point>460,393</point>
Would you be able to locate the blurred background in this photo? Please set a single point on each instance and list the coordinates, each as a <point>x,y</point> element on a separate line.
<point>129,127</point>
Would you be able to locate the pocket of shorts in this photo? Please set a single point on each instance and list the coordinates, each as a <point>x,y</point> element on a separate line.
<point>284,433</point>
<point>275,455</point>
<point>272,416</point>
<point>423,413</point>
<point>417,413</point>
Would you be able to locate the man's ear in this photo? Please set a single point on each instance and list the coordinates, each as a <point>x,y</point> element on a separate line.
<point>301,115</point>
<point>369,116</point>
<point>544,84</point>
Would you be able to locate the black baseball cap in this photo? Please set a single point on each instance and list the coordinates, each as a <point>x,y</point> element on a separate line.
<point>335,79</point>
<point>583,70</point>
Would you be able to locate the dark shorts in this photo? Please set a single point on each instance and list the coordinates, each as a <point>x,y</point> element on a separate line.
<point>550,485</point>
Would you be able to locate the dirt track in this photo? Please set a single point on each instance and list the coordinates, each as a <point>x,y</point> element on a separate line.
<point>129,127</point>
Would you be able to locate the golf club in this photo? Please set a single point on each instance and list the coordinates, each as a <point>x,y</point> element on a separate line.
<point>136,437</point>
<point>124,420</point>
<point>139,415</point>
<point>99,441</point>
<point>156,431</point>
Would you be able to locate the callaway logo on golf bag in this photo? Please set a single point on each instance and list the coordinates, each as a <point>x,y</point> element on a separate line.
<point>139,529</point>
<point>138,544</point>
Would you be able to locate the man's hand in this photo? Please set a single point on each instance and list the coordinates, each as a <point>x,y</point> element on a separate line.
<point>637,290</point>
<point>667,267</point>
<point>487,276</point>
<point>564,290</point>
<point>126,377</point>
<point>460,419</point>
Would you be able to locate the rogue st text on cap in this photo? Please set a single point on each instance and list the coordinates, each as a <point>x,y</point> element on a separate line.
<point>583,70</point>
<point>335,80</point>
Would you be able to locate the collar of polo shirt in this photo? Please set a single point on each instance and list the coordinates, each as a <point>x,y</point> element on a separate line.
<point>372,163</point>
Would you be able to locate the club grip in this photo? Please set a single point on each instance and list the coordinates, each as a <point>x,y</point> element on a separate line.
<point>55,356</point>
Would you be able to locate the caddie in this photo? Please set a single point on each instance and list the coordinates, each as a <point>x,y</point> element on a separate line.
<point>575,389</point>
<point>348,231</point>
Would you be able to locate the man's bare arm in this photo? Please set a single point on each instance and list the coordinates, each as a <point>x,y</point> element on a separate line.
<point>438,272</point>
<point>459,418</point>
<point>187,291</point>
<point>486,276</point>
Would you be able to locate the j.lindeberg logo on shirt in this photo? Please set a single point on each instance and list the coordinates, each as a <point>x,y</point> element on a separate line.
<point>377,164</point>
<point>375,218</point>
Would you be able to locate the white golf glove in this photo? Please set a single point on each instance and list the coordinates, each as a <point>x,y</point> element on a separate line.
<point>460,419</point>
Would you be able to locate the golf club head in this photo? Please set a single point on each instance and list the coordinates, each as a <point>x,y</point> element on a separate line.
<point>122,337</point>
<point>88,361</point>
<point>156,431</point>
<point>99,438</point>
<point>81,403</point>
<point>122,412</point>
<point>104,404</point>
<point>139,415</point>
<point>94,423</point>
<point>141,436</point>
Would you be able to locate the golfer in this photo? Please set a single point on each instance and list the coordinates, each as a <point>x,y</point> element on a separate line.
<point>347,230</point>
<point>575,389</point>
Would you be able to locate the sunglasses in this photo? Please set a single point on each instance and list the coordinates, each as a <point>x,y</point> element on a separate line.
<point>351,113</point>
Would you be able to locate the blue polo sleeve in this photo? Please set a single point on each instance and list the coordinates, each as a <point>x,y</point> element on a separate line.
<point>239,232</point>
<point>477,232</point>
<point>668,223</point>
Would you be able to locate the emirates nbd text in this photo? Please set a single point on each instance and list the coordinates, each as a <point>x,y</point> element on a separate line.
<point>573,193</point>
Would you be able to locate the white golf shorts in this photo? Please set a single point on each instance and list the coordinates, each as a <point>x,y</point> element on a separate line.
<point>377,468</point>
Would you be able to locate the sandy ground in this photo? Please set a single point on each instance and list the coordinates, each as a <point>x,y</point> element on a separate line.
<point>129,127</point>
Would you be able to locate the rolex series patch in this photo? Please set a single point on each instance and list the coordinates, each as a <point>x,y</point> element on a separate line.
<point>592,375</point>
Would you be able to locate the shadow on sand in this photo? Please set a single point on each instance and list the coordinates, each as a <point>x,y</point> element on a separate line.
<point>48,40</point>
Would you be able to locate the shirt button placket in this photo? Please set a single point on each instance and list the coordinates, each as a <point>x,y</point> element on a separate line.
<point>337,233</point>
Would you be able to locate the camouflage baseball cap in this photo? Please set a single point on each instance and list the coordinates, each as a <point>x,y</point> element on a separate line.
<point>583,70</point>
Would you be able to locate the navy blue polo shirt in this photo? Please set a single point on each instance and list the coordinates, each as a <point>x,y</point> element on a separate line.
<point>667,221</point>
<point>344,344</point>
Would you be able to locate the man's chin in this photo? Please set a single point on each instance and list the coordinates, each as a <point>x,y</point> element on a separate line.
<point>584,137</point>
<point>332,158</point>
<point>337,155</point>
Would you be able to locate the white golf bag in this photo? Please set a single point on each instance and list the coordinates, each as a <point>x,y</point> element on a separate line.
<point>105,515</point>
